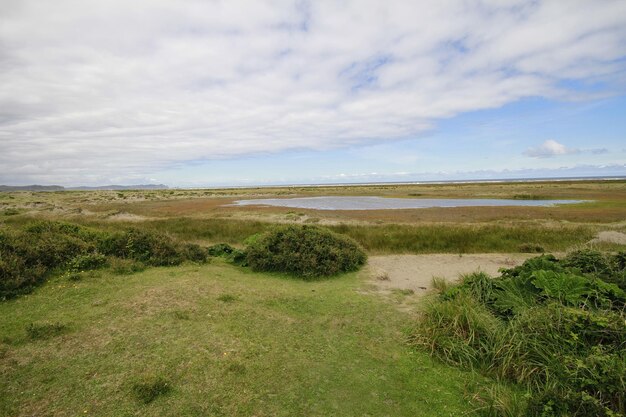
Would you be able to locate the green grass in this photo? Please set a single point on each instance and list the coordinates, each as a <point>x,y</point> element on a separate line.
<point>380,239</point>
<point>464,238</point>
<point>164,343</point>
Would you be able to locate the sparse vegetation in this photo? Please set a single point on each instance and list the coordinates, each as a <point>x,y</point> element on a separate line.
<point>304,251</point>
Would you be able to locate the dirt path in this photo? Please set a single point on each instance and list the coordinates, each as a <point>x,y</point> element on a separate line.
<point>415,272</point>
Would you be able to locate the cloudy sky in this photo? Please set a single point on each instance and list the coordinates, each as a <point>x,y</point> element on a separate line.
<point>194,93</point>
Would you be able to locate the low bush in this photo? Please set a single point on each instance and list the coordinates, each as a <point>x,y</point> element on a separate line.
<point>220,250</point>
<point>42,248</point>
<point>589,261</point>
<point>151,248</point>
<point>554,326</point>
<point>229,253</point>
<point>194,253</point>
<point>87,262</point>
<point>304,251</point>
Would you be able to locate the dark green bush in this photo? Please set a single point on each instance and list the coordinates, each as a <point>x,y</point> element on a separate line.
<point>229,253</point>
<point>194,253</point>
<point>304,251</point>
<point>151,248</point>
<point>220,249</point>
<point>41,248</point>
<point>16,276</point>
<point>87,262</point>
<point>588,261</point>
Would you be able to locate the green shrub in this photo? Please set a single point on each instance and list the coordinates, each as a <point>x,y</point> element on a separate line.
<point>304,251</point>
<point>42,248</point>
<point>220,249</point>
<point>618,266</point>
<point>87,262</point>
<point>619,261</point>
<point>194,253</point>
<point>588,261</point>
<point>229,253</point>
<point>552,326</point>
<point>151,248</point>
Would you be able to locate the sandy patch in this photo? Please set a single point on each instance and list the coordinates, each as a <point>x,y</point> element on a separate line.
<point>610,237</point>
<point>415,272</point>
<point>126,217</point>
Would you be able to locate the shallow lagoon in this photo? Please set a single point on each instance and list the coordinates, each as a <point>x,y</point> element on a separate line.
<point>381,203</point>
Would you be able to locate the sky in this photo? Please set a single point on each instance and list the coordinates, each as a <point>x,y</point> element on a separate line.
<point>217,93</point>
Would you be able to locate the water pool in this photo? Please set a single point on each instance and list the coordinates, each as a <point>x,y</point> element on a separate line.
<point>382,203</point>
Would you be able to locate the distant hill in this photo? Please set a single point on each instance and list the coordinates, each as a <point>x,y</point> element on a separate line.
<point>31,188</point>
<point>122,187</point>
<point>101,187</point>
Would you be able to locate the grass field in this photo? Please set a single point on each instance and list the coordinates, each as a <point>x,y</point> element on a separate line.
<point>224,340</point>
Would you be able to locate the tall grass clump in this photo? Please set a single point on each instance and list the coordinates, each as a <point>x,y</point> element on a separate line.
<point>304,251</point>
<point>555,327</point>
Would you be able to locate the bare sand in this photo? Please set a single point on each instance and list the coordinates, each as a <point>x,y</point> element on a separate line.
<point>610,237</point>
<point>415,272</point>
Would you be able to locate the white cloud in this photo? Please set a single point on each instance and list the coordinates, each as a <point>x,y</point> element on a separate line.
<point>96,90</point>
<point>552,148</point>
<point>549,149</point>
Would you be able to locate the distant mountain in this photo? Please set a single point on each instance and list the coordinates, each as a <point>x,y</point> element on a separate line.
<point>101,187</point>
<point>121,187</point>
<point>31,188</point>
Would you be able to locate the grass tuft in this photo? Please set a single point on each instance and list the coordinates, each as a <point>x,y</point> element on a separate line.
<point>42,331</point>
<point>227,298</point>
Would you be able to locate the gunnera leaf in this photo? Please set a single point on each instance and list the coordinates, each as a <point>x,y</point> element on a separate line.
<point>567,288</point>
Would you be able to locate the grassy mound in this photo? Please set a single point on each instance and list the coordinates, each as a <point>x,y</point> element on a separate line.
<point>554,326</point>
<point>304,251</point>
